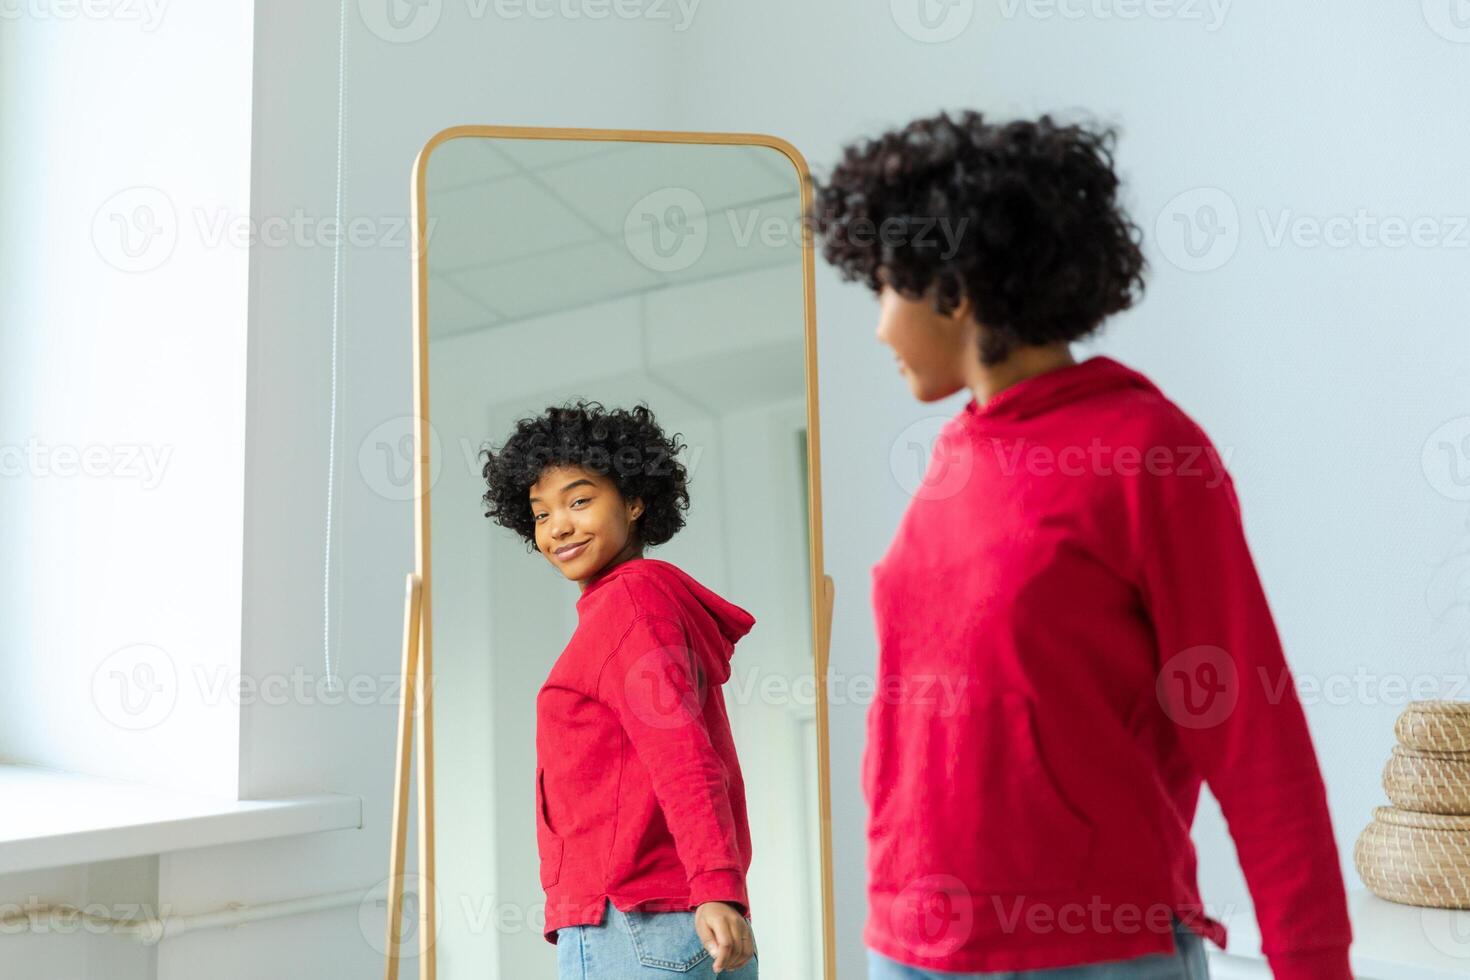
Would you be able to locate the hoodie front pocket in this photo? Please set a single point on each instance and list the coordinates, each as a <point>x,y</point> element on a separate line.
<point>547,843</point>
<point>995,817</point>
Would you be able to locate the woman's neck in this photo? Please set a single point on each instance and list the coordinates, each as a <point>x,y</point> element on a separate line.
<point>631,550</point>
<point>987,380</point>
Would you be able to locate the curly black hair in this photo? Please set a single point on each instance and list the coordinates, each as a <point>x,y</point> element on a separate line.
<point>1020,216</point>
<point>625,445</point>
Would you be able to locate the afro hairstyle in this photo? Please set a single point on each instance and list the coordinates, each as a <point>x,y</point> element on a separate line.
<point>1022,217</point>
<point>625,445</point>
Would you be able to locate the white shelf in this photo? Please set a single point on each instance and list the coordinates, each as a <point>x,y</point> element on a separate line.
<point>52,818</point>
<point>1390,941</point>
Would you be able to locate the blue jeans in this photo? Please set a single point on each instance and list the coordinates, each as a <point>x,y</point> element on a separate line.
<point>639,946</point>
<point>1185,963</point>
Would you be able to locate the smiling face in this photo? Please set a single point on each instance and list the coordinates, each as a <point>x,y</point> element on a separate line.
<point>583,524</point>
<point>931,348</point>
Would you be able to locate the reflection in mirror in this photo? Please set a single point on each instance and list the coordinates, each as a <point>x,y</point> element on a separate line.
<point>626,272</point>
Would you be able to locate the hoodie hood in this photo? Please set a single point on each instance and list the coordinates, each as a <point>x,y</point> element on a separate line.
<point>726,622</point>
<point>1040,392</point>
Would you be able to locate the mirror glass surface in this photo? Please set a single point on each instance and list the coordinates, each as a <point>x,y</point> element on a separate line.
<point>624,272</point>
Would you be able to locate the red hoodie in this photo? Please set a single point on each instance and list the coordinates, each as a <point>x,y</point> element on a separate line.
<point>639,797</point>
<point>1072,635</point>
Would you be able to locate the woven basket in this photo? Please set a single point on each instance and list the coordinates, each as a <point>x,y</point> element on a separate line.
<point>1429,782</point>
<point>1435,726</point>
<point>1416,858</point>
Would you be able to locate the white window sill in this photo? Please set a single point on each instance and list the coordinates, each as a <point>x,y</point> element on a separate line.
<point>1390,941</point>
<point>53,818</point>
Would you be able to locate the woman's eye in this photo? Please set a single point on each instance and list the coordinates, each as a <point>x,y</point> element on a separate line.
<point>579,500</point>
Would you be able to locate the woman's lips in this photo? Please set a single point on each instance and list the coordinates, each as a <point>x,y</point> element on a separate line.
<point>572,552</point>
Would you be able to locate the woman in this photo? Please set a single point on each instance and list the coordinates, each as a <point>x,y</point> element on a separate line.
<point>641,822</point>
<point>1073,574</point>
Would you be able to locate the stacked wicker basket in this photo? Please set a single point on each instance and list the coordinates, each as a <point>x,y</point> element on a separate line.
<point>1418,851</point>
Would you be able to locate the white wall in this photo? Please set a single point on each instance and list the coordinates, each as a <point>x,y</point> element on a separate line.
<point>122,386</point>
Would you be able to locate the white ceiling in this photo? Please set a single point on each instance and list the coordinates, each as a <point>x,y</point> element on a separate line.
<point>525,227</point>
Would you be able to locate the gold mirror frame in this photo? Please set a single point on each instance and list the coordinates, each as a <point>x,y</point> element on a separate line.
<point>415,718</point>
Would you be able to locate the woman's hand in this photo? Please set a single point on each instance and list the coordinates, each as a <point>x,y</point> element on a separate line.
<point>725,933</point>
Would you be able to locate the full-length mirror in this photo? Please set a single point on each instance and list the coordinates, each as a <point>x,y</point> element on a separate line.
<point>603,273</point>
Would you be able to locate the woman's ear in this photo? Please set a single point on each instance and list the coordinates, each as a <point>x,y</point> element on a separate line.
<point>635,509</point>
<point>962,310</point>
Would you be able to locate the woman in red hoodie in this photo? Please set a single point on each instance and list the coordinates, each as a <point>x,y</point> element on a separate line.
<point>1072,634</point>
<point>640,806</point>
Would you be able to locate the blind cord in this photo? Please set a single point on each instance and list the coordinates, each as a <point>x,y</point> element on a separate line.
<point>334,682</point>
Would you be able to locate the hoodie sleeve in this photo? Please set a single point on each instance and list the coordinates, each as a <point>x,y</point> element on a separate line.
<point>654,683</point>
<point>1225,685</point>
